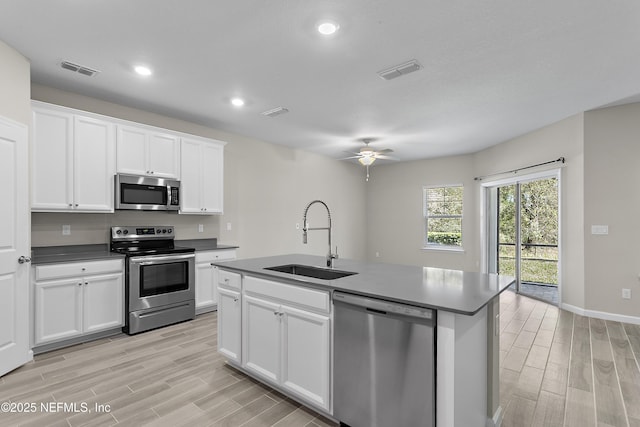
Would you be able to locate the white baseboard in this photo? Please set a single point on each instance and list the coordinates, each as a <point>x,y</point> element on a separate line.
<point>496,421</point>
<point>601,314</point>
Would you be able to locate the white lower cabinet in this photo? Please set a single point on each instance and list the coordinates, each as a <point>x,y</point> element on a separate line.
<point>207,278</point>
<point>229,324</point>
<point>286,338</point>
<point>74,299</point>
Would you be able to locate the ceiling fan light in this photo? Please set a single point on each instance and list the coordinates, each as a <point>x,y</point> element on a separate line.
<point>367,160</point>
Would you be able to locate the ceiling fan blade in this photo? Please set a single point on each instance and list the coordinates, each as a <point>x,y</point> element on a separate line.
<point>352,152</point>
<point>385,150</point>
<point>386,157</point>
<point>349,158</point>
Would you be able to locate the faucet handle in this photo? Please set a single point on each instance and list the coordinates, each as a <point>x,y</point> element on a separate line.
<point>335,256</point>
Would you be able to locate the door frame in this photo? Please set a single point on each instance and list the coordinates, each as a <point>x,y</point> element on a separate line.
<point>485,216</point>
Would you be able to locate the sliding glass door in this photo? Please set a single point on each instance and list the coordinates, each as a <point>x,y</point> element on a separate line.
<point>523,234</point>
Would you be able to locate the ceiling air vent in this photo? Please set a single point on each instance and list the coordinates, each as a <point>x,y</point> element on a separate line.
<point>275,112</point>
<point>78,68</point>
<point>400,70</point>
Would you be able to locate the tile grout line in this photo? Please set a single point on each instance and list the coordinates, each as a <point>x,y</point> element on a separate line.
<point>593,375</point>
<point>635,357</point>
<point>566,391</point>
<point>615,366</point>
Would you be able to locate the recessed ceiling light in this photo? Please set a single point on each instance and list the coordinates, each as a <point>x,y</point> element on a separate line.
<point>327,28</point>
<point>142,70</point>
<point>237,102</point>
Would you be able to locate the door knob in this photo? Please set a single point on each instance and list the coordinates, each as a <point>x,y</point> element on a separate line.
<point>24,259</point>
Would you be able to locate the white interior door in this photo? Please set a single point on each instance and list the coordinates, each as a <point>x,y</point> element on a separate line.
<point>14,246</point>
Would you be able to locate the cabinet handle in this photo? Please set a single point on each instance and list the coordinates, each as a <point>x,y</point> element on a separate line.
<point>235,300</point>
<point>70,205</point>
<point>226,280</point>
<point>86,283</point>
<point>80,284</point>
<point>76,205</point>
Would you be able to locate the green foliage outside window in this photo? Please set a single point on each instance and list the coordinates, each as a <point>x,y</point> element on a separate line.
<point>443,216</point>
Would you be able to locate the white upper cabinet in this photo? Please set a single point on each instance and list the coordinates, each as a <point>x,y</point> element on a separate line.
<point>146,151</point>
<point>202,176</point>
<point>73,161</point>
<point>75,155</point>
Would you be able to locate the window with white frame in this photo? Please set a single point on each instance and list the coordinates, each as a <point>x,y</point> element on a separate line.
<point>443,216</point>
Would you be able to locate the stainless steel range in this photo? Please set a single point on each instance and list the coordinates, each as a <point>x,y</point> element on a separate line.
<point>160,277</point>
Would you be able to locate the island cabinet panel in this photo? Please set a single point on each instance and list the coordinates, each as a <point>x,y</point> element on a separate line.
<point>286,338</point>
<point>305,346</point>
<point>230,315</point>
<point>261,338</point>
<point>229,324</point>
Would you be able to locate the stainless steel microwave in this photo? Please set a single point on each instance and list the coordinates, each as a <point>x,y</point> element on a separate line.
<point>146,193</point>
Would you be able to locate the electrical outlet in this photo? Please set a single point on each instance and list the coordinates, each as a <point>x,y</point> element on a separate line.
<point>228,226</point>
<point>66,230</point>
<point>377,254</point>
<point>626,294</point>
<point>200,228</point>
<point>297,226</point>
<point>599,229</point>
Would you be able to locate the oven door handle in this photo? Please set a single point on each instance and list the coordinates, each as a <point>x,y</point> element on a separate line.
<point>155,259</point>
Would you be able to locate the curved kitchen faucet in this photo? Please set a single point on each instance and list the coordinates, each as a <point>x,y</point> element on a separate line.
<point>305,229</point>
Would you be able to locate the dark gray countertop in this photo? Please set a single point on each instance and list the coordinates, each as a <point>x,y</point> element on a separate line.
<point>450,290</point>
<point>204,244</point>
<point>71,253</point>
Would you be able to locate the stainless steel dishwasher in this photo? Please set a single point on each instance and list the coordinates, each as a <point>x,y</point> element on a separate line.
<point>384,363</point>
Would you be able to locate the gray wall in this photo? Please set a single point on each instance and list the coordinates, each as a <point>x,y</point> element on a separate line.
<point>266,189</point>
<point>612,197</point>
<point>15,87</point>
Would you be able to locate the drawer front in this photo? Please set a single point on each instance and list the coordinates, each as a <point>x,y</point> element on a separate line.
<point>229,280</point>
<point>85,268</point>
<point>290,294</point>
<point>211,256</point>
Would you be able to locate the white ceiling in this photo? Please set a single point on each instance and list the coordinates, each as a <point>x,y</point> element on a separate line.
<point>493,70</point>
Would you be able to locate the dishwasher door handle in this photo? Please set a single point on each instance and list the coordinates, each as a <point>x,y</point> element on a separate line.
<point>383,307</point>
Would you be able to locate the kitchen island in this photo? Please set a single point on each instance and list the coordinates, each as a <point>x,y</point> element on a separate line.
<point>466,310</point>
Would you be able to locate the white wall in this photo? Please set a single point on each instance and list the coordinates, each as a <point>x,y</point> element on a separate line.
<point>266,190</point>
<point>15,87</point>
<point>612,180</point>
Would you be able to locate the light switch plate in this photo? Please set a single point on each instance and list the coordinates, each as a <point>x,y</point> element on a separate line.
<point>599,229</point>
<point>66,230</point>
<point>200,228</point>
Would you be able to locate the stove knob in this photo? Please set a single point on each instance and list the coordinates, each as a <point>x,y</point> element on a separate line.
<point>170,230</point>
<point>158,231</point>
<point>125,232</point>
<point>164,231</point>
<point>118,231</point>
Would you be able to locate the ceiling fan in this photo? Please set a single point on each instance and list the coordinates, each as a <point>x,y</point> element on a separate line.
<point>367,155</point>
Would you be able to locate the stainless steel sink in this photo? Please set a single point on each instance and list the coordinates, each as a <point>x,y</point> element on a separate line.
<point>310,271</point>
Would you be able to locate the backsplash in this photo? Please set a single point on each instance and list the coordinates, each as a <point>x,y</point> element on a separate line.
<point>87,228</point>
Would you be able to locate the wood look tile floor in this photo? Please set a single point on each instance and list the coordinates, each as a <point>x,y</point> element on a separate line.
<point>557,369</point>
